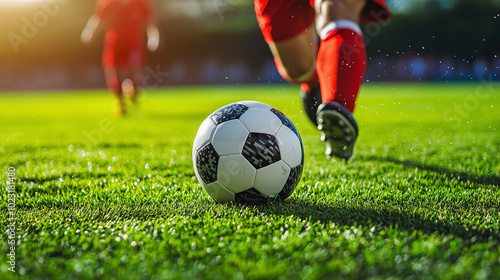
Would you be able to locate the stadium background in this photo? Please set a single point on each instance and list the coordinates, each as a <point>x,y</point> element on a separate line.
<point>218,42</point>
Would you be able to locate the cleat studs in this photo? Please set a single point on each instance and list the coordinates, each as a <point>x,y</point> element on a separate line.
<point>337,132</point>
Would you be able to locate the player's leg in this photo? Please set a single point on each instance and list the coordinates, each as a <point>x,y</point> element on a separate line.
<point>137,76</point>
<point>341,65</point>
<point>288,28</point>
<point>114,83</point>
<point>341,59</point>
<point>295,57</point>
<point>135,61</point>
<point>114,75</point>
<point>295,60</point>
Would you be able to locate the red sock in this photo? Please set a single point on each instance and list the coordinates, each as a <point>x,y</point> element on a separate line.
<point>341,64</point>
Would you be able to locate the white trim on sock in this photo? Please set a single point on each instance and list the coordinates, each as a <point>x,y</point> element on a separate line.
<point>339,24</point>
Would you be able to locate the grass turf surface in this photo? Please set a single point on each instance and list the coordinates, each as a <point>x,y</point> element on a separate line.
<point>102,197</point>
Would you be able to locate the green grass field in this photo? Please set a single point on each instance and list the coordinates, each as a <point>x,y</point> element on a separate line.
<point>99,197</point>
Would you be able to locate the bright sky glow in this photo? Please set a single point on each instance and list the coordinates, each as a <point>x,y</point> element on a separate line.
<point>22,1</point>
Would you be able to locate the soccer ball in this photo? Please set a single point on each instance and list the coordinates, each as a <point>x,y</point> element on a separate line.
<point>248,152</point>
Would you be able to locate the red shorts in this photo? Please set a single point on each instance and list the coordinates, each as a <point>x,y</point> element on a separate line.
<point>124,57</point>
<point>281,20</point>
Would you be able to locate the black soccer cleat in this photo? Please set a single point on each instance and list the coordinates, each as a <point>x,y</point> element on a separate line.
<point>339,130</point>
<point>310,101</point>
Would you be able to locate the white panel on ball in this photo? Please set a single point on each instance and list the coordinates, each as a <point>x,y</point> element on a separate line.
<point>290,148</point>
<point>219,193</point>
<point>235,173</point>
<point>261,121</point>
<point>271,179</point>
<point>204,134</point>
<point>255,104</point>
<point>229,138</point>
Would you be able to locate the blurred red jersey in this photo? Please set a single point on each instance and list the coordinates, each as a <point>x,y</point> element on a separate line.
<point>125,21</point>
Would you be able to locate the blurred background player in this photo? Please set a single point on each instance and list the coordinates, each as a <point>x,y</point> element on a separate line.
<point>331,71</point>
<point>123,56</point>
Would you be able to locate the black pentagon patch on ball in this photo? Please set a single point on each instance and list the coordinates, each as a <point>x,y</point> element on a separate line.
<point>207,161</point>
<point>261,150</point>
<point>229,112</point>
<point>291,182</point>
<point>286,121</point>
<point>253,196</point>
